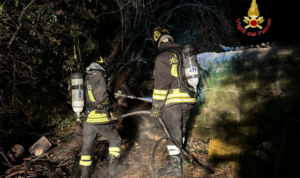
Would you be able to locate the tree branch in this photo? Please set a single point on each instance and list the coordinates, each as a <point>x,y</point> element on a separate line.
<point>188,4</point>
<point>20,25</point>
<point>113,11</point>
<point>116,50</point>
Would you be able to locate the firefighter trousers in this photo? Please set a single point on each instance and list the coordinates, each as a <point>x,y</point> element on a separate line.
<point>175,118</point>
<point>90,131</point>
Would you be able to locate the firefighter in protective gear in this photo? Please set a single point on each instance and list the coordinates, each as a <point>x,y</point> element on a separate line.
<point>170,98</point>
<point>97,121</point>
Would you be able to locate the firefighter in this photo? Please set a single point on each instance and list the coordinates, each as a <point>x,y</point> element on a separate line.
<point>170,98</point>
<point>97,121</point>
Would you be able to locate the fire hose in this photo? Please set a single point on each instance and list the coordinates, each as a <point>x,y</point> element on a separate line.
<point>183,153</point>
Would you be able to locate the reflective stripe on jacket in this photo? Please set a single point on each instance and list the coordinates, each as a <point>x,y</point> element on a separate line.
<point>96,94</point>
<point>96,117</point>
<point>166,90</point>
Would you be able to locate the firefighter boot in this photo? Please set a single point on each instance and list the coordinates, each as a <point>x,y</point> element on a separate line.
<point>173,168</point>
<point>85,172</point>
<point>114,167</point>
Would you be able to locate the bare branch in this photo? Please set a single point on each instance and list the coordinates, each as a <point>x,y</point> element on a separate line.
<point>20,25</point>
<point>104,13</point>
<point>150,2</point>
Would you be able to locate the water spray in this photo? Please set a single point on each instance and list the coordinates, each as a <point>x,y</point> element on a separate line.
<point>147,99</point>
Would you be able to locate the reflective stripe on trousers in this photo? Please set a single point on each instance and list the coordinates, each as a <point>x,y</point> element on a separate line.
<point>86,160</point>
<point>114,151</point>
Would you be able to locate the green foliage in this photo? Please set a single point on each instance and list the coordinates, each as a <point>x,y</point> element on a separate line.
<point>59,124</point>
<point>38,55</point>
<point>16,3</point>
<point>44,42</point>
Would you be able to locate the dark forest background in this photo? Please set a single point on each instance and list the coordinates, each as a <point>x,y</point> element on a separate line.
<point>43,42</point>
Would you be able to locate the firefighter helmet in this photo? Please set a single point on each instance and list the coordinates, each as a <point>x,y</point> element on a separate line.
<point>98,65</point>
<point>161,35</point>
<point>103,61</point>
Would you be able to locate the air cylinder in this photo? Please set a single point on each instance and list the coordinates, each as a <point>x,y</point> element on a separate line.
<point>191,68</point>
<point>77,93</point>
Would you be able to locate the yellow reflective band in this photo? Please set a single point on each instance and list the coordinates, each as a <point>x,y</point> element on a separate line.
<point>97,121</point>
<point>86,157</point>
<point>174,70</point>
<point>176,90</point>
<point>97,117</point>
<point>181,100</point>
<point>159,97</point>
<point>115,149</point>
<point>94,114</point>
<point>91,96</point>
<point>85,163</point>
<point>161,92</point>
<point>180,95</point>
<point>106,102</point>
<point>116,154</point>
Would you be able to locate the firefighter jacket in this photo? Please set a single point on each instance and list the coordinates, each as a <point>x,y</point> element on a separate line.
<point>167,91</point>
<point>96,95</point>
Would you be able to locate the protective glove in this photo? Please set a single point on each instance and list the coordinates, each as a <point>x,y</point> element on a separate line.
<point>155,111</point>
<point>120,98</point>
<point>119,91</point>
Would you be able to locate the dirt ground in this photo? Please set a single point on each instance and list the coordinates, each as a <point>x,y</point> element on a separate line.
<point>139,155</point>
<point>136,149</point>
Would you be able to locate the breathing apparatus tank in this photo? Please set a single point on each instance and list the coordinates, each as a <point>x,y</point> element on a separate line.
<point>77,93</point>
<point>190,65</point>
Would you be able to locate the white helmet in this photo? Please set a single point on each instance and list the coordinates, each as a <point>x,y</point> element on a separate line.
<point>165,39</point>
<point>95,66</point>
